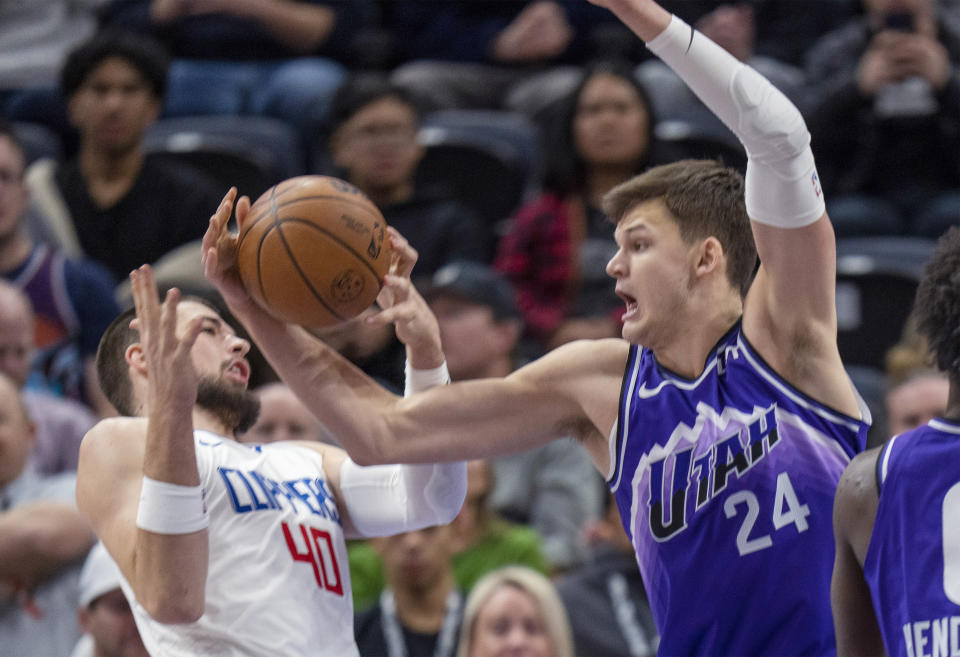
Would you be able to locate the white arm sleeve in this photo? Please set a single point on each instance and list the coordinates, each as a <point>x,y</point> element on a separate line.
<point>383,500</point>
<point>782,186</point>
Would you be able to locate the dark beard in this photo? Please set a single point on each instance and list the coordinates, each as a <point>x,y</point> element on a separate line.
<point>235,406</point>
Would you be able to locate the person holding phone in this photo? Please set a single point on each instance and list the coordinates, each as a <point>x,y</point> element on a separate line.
<point>885,117</point>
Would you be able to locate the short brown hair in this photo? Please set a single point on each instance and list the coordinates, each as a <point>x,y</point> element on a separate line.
<point>111,358</point>
<point>705,198</point>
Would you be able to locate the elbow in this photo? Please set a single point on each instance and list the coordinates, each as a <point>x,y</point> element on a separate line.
<point>377,447</point>
<point>174,609</point>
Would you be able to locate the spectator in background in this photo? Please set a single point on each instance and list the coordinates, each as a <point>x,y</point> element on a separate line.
<point>555,243</point>
<point>43,540</point>
<point>374,145</point>
<point>886,119</point>
<point>113,202</point>
<point>516,611</point>
<point>505,53</point>
<point>103,611</point>
<point>605,598</point>
<point>483,542</point>
<point>72,298</point>
<point>916,391</point>
<point>35,36</point>
<point>281,58</point>
<point>916,400</point>
<point>60,423</point>
<point>554,488</point>
<point>419,612</point>
<point>283,417</point>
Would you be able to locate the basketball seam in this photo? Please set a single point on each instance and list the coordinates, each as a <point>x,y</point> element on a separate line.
<point>333,237</point>
<point>296,265</point>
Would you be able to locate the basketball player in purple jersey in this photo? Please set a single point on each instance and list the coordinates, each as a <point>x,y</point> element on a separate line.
<point>723,421</point>
<point>897,513</point>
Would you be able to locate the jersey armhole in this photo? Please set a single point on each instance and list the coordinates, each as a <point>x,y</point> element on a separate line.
<point>618,432</point>
<point>883,463</point>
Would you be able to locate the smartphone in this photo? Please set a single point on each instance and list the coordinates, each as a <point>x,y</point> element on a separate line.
<point>901,21</point>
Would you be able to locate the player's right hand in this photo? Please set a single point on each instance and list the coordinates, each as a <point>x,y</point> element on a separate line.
<point>170,372</point>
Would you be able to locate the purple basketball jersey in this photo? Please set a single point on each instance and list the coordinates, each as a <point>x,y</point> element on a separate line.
<point>913,562</point>
<point>725,486</point>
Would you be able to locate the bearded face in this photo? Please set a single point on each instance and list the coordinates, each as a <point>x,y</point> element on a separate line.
<point>233,405</point>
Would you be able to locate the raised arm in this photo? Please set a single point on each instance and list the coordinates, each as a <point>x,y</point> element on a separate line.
<point>790,311</point>
<point>138,480</point>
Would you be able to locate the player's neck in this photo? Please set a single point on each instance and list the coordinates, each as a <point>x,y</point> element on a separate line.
<point>204,420</point>
<point>424,609</point>
<point>953,402</point>
<point>686,348</point>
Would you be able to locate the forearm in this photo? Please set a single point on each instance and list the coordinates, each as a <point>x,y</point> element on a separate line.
<point>171,559</point>
<point>345,400</point>
<point>39,538</point>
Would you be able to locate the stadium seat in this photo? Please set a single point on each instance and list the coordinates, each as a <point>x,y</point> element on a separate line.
<point>682,139</point>
<point>877,280</point>
<point>488,159</point>
<point>250,152</point>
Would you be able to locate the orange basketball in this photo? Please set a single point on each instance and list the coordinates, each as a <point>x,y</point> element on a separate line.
<point>313,251</point>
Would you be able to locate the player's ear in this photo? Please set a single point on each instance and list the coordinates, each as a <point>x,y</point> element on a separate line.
<point>709,256</point>
<point>135,357</point>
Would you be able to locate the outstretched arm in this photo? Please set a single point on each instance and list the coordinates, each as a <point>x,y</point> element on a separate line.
<point>465,420</point>
<point>790,312</point>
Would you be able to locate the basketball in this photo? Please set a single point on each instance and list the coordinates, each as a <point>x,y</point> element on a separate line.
<point>313,251</point>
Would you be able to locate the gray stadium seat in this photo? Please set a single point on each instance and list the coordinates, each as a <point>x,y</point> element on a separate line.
<point>489,159</point>
<point>251,152</point>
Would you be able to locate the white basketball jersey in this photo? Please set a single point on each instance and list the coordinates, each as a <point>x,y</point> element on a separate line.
<point>278,581</point>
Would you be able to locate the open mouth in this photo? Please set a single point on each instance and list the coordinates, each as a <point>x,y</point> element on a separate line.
<point>238,370</point>
<point>630,302</point>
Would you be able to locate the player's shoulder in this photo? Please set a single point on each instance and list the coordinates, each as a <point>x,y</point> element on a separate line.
<point>857,488</point>
<point>588,356</point>
<point>114,435</point>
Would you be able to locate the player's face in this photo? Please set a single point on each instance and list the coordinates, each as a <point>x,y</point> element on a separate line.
<point>511,624</point>
<point>378,145</point>
<point>610,124</point>
<point>13,189</point>
<point>109,621</point>
<point>653,272</point>
<point>218,351</point>
<point>113,107</point>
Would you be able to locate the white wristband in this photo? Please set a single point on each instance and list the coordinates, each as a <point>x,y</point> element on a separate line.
<point>167,508</point>
<point>420,380</point>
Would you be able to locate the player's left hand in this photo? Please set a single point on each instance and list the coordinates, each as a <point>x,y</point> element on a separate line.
<point>402,305</point>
